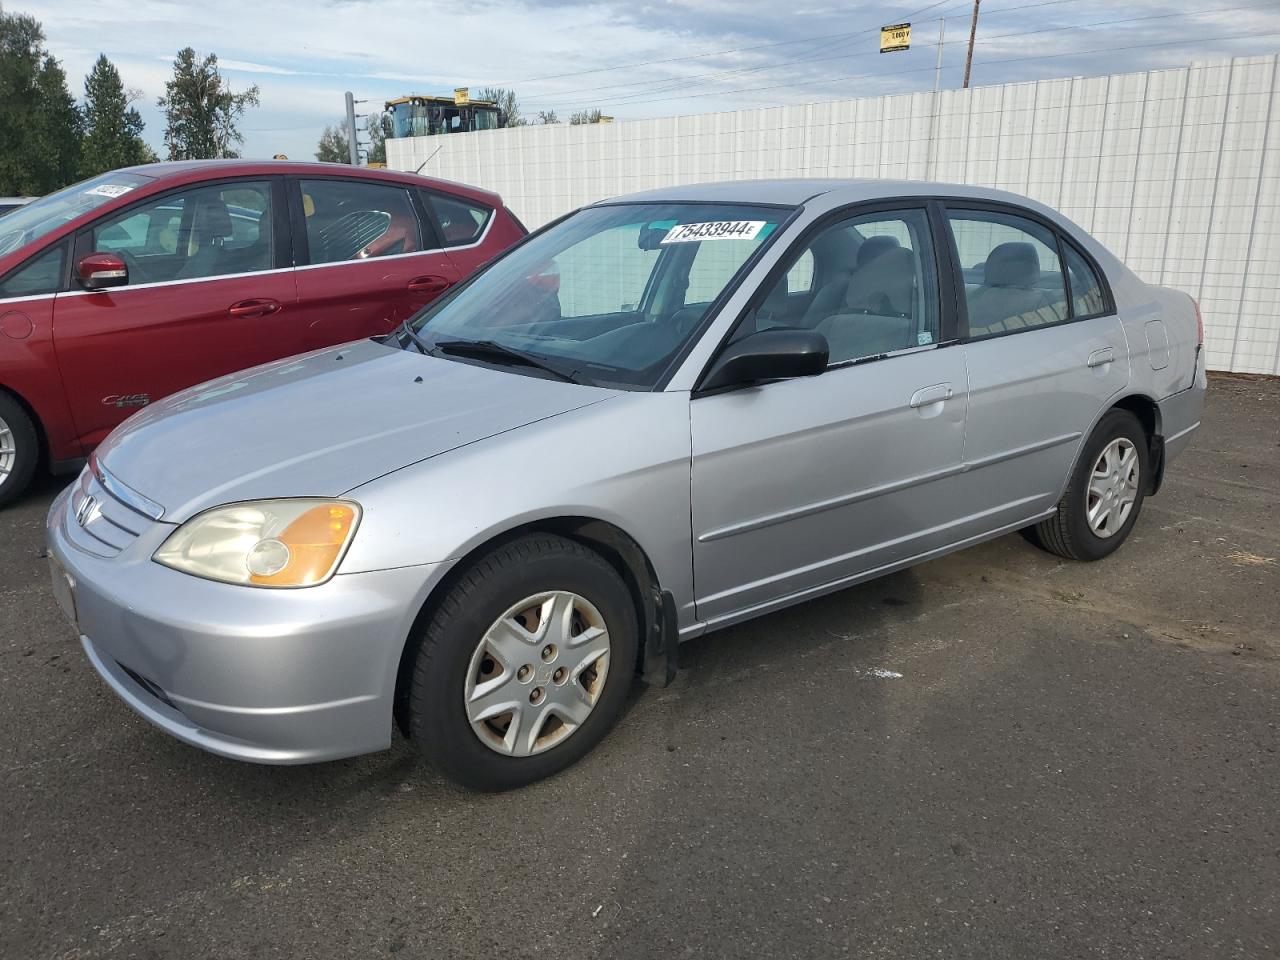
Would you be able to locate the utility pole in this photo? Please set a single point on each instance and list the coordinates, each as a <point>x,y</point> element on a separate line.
<point>973,30</point>
<point>937,71</point>
<point>351,129</point>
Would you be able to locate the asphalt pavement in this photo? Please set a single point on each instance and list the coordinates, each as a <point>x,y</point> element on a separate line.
<point>996,754</point>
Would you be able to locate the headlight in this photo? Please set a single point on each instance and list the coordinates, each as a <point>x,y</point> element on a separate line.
<point>265,543</point>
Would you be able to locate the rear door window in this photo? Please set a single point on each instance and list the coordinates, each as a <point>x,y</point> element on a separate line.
<point>357,220</point>
<point>1012,276</point>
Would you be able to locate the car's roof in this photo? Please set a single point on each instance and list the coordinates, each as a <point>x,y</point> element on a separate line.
<point>188,171</point>
<point>793,192</point>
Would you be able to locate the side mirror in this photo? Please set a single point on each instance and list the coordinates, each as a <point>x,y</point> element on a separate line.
<point>769,355</point>
<point>97,271</point>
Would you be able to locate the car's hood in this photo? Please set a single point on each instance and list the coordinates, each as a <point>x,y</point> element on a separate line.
<point>321,424</point>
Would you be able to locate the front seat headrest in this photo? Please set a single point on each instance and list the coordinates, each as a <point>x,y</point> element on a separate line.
<point>212,219</point>
<point>872,247</point>
<point>1012,265</point>
<point>885,285</point>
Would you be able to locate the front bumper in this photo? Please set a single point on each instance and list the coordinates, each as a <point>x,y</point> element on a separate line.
<point>272,676</point>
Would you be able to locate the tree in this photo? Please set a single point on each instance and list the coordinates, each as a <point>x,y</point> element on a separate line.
<point>585,116</point>
<point>379,128</point>
<point>201,111</point>
<point>334,146</point>
<point>39,123</point>
<point>507,102</point>
<point>547,116</point>
<point>112,127</point>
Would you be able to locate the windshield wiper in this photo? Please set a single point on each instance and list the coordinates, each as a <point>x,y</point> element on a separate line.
<point>492,350</point>
<point>417,341</point>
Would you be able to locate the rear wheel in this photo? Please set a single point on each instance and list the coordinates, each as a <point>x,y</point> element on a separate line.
<point>1105,493</point>
<point>524,665</point>
<point>19,449</point>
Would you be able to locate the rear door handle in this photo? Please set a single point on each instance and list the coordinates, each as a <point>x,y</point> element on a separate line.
<point>934,394</point>
<point>429,284</point>
<point>1099,357</point>
<point>253,308</point>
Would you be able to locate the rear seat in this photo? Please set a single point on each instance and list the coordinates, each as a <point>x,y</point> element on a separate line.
<point>1009,298</point>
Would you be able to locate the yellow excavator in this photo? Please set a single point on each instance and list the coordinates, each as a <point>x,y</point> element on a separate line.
<point>422,116</point>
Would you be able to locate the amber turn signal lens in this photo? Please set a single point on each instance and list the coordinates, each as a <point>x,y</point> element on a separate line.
<point>315,541</point>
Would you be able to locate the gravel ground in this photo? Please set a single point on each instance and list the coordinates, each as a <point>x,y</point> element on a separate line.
<point>996,754</point>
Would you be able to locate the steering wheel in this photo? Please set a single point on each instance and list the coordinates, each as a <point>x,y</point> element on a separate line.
<point>136,273</point>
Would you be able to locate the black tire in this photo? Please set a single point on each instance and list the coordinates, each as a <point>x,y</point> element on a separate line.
<point>26,452</point>
<point>1067,532</point>
<point>436,712</point>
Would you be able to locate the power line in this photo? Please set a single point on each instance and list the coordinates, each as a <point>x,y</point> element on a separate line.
<point>671,83</point>
<point>662,86</point>
<point>716,53</point>
<point>1048,56</point>
<point>711,53</point>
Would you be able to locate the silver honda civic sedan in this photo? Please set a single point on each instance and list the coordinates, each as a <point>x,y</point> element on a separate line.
<point>658,416</point>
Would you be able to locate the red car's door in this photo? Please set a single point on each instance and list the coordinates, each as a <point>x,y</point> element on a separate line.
<point>366,260</point>
<point>210,292</point>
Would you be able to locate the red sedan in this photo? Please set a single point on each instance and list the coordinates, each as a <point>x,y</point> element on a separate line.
<point>125,288</point>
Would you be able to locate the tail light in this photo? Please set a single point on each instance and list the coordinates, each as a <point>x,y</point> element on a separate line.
<point>1199,324</point>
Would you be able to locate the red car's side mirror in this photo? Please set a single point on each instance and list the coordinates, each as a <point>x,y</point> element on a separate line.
<point>97,271</point>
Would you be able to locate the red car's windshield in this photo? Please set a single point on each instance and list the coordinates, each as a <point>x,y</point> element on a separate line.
<point>21,226</point>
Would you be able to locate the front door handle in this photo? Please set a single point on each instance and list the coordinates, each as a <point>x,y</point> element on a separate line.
<point>253,308</point>
<point>929,395</point>
<point>1099,357</point>
<point>429,284</point>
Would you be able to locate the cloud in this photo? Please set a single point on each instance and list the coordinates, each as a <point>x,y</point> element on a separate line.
<point>631,59</point>
<point>245,66</point>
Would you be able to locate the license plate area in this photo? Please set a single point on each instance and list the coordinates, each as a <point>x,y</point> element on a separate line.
<point>64,592</point>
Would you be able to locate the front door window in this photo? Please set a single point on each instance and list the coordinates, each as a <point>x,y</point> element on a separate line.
<point>211,231</point>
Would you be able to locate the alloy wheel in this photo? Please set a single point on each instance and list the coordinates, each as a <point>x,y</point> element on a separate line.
<point>537,673</point>
<point>1113,487</point>
<point>8,450</point>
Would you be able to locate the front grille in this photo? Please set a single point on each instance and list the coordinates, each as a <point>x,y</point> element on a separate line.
<point>98,522</point>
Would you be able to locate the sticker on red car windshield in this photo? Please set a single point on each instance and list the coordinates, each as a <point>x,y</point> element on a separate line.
<point>714,230</point>
<point>109,190</point>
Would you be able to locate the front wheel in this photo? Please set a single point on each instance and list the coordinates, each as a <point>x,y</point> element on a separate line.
<point>1105,493</point>
<point>524,665</point>
<point>19,449</point>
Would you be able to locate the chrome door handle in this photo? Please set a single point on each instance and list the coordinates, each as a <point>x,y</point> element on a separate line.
<point>934,394</point>
<point>1099,357</point>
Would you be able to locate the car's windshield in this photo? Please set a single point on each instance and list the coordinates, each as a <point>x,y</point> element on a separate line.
<point>33,221</point>
<point>612,294</point>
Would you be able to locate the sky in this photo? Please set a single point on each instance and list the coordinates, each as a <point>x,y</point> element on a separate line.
<point>629,58</point>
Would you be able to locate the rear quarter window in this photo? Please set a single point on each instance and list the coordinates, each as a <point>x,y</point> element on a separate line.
<point>461,221</point>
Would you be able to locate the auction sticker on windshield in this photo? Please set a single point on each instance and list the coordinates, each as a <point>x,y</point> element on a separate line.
<point>109,190</point>
<point>714,230</point>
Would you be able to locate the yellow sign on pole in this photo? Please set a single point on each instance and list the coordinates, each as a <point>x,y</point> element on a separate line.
<point>461,96</point>
<point>895,38</point>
